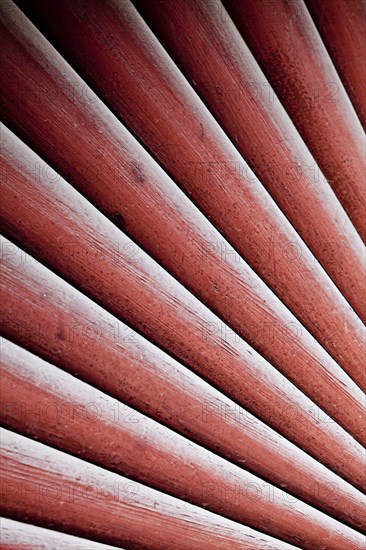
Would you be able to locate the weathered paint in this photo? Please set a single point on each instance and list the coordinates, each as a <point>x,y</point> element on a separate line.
<point>90,246</point>
<point>55,408</point>
<point>229,80</point>
<point>284,40</point>
<point>24,193</point>
<point>342,26</point>
<point>63,492</point>
<point>23,536</point>
<point>129,187</point>
<point>58,323</point>
<point>149,92</point>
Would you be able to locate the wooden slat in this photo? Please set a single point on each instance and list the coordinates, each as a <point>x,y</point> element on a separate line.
<point>285,42</point>
<point>229,80</point>
<point>188,246</point>
<point>23,536</point>
<point>67,233</point>
<point>212,450</point>
<point>58,323</point>
<point>55,408</point>
<point>65,493</point>
<point>334,392</point>
<point>342,27</point>
<point>163,110</point>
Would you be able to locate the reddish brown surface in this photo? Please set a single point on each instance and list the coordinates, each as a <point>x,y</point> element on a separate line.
<point>151,454</point>
<point>227,77</point>
<point>22,536</point>
<point>285,42</point>
<point>166,224</point>
<point>54,489</point>
<point>42,312</point>
<point>267,320</point>
<point>71,237</point>
<point>168,116</point>
<point>342,26</point>
<point>50,318</point>
<point>46,404</point>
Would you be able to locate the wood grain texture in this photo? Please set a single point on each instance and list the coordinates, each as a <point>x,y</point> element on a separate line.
<point>287,45</point>
<point>106,164</point>
<point>23,536</point>
<point>342,26</point>
<point>58,323</point>
<point>190,451</point>
<point>156,102</point>
<point>226,76</point>
<point>66,493</point>
<point>249,306</point>
<point>49,405</point>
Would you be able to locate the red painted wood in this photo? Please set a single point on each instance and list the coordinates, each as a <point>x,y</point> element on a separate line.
<point>294,522</point>
<point>62,492</point>
<point>167,115</point>
<point>342,26</point>
<point>174,232</point>
<point>334,392</point>
<point>58,323</point>
<point>46,404</point>
<point>23,536</point>
<point>229,80</point>
<point>67,233</point>
<point>285,42</point>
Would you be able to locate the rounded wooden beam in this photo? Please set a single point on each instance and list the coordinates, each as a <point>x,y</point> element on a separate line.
<point>44,314</point>
<point>165,223</point>
<point>51,406</point>
<point>165,113</point>
<point>58,491</point>
<point>334,391</point>
<point>342,27</point>
<point>229,80</point>
<point>285,42</point>
<point>23,536</point>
